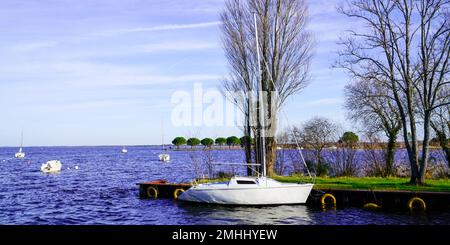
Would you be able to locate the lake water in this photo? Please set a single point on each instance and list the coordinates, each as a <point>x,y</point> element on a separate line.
<point>103,191</point>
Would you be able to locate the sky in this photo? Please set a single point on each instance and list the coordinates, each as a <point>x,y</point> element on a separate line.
<point>104,72</point>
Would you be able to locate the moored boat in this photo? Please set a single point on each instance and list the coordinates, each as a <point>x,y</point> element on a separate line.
<point>248,191</point>
<point>21,153</point>
<point>260,190</point>
<point>52,166</point>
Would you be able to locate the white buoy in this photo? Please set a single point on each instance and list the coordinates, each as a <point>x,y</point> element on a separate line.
<point>76,167</point>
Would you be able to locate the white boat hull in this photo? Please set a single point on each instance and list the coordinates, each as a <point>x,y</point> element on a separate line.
<point>164,157</point>
<point>20,155</point>
<point>261,194</point>
<point>53,166</point>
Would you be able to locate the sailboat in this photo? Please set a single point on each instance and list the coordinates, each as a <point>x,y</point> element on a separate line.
<point>21,153</point>
<point>260,190</point>
<point>163,157</point>
<point>124,150</point>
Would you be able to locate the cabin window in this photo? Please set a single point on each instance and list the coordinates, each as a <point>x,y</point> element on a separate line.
<point>245,182</point>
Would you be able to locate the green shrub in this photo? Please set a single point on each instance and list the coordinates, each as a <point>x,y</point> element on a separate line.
<point>221,141</point>
<point>207,142</point>
<point>233,140</point>
<point>178,141</point>
<point>193,142</point>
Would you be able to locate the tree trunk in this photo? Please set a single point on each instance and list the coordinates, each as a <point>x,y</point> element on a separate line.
<point>409,87</point>
<point>425,148</point>
<point>271,153</point>
<point>390,153</point>
<point>318,151</point>
<point>406,141</point>
<point>413,156</point>
<point>410,146</point>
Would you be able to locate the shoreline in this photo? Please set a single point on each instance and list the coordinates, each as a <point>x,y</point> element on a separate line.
<point>198,148</point>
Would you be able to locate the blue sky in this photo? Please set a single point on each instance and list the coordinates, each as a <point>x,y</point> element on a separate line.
<point>102,72</point>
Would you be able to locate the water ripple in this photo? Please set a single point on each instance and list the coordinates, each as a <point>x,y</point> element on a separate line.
<point>103,191</point>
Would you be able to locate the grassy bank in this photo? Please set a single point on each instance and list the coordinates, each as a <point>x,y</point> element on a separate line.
<point>370,183</point>
<point>366,183</point>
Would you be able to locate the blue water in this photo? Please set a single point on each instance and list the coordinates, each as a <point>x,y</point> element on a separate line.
<point>103,191</point>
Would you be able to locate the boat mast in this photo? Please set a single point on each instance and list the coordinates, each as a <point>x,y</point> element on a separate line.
<point>262,116</point>
<point>21,141</point>
<point>162,135</point>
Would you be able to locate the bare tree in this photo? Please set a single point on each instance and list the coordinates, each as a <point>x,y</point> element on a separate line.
<point>241,81</point>
<point>317,134</point>
<point>343,158</point>
<point>374,160</point>
<point>405,45</point>
<point>371,104</point>
<point>433,66</point>
<point>285,47</point>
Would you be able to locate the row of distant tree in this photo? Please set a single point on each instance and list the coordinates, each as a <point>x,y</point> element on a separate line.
<point>209,142</point>
<point>231,141</point>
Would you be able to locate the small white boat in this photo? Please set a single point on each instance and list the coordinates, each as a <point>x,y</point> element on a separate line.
<point>124,150</point>
<point>52,166</point>
<point>20,154</point>
<point>164,157</point>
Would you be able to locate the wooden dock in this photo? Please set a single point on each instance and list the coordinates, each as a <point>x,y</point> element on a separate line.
<point>385,199</point>
<point>162,188</point>
<point>330,198</point>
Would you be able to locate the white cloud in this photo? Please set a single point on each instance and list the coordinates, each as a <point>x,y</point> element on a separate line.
<point>325,101</point>
<point>175,46</point>
<point>172,27</point>
<point>91,75</point>
<point>158,28</point>
<point>26,47</point>
<point>166,46</point>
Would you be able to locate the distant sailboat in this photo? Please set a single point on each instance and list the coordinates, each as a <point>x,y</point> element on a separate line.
<point>124,150</point>
<point>20,154</point>
<point>163,157</point>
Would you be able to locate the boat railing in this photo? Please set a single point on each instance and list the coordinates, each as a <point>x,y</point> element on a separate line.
<point>251,165</point>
